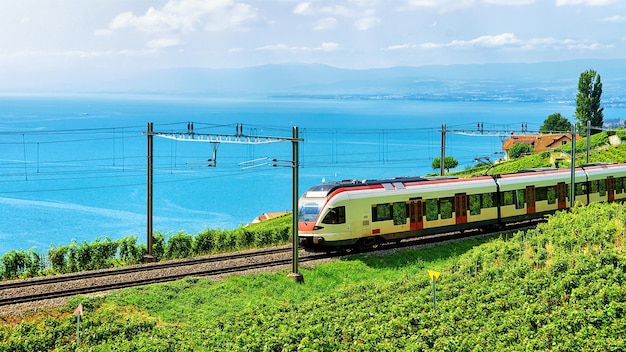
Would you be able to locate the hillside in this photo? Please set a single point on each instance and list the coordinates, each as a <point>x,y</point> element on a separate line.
<point>600,151</point>
<point>558,287</point>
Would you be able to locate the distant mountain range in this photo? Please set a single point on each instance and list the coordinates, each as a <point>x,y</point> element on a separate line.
<point>546,81</point>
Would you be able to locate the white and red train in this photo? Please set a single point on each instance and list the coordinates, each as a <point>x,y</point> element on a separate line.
<point>362,214</point>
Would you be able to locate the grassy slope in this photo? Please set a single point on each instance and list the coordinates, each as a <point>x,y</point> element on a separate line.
<point>600,151</point>
<point>557,287</point>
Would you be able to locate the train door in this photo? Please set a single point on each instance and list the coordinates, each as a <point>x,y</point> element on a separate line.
<point>416,213</point>
<point>561,195</point>
<point>530,200</point>
<point>610,188</point>
<point>460,208</point>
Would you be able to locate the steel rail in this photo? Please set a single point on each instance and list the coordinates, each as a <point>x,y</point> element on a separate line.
<point>137,268</point>
<point>433,239</point>
<point>160,279</point>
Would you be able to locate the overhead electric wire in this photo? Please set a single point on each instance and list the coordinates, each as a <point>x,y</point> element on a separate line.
<point>99,167</point>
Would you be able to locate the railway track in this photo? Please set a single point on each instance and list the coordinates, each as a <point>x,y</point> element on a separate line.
<point>24,291</point>
<point>137,268</point>
<point>38,289</point>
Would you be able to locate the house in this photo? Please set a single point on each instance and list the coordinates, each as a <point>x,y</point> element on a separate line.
<point>539,142</point>
<point>268,216</point>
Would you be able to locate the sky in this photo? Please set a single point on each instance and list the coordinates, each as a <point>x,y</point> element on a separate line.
<point>77,37</point>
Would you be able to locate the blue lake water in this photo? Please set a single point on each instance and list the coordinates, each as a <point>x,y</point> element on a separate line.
<point>75,167</point>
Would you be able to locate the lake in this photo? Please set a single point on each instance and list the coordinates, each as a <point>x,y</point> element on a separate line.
<point>74,167</point>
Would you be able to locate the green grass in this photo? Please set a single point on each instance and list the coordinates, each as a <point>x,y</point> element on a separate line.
<point>600,151</point>
<point>558,287</point>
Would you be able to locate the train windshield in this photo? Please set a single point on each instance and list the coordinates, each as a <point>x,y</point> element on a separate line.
<point>309,211</point>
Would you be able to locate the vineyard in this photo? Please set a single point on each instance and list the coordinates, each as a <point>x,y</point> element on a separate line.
<point>107,253</point>
<point>600,151</point>
<point>557,287</point>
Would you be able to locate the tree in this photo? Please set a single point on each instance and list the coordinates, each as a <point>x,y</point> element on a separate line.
<point>519,149</point>
<point>449,162</point>
<point>556,123</point>
<point>588,102</point>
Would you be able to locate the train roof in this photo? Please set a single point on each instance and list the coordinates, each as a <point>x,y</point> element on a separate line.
<point>538,176</point>
<point>325,189</point>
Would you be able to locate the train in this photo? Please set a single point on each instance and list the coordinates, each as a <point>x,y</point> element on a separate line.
<point>361,214</point>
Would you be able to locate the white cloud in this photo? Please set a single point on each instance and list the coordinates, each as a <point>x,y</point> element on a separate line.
<point>329,46</point>
<point>337,10</point>
<point>616,19</point>
<point>163,43</point>
<point>307,8</point>
<point>424,3</point>
<point>187,16</point>
<point>326,46</point>
<point>509,40</point>
<point>303,8</point>
<point>586,2</point>
<point>509,2</point>
<point>399,47</point>
<point>326,23</point>
<point>450,5</point>
<point>366,23</point>
<point>487,41</point>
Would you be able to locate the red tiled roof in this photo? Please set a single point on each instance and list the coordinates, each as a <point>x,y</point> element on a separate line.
<point>540,142</point>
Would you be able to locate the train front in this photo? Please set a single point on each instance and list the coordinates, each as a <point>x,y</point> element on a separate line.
<point>323,222</point>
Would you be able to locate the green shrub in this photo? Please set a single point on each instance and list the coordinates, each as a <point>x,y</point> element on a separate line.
<point>106,253</point>
<point>15,263</point>
<point>203,243</point>
<point>129,251</point>
<point>57,257</point>
<point>158,244</point>
<point>179,246</point>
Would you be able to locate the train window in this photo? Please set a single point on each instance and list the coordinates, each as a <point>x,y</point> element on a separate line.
<point>619,185</point>
<point>541,193</point>
<point>489,200</point>
<point>594,186</point>
<point>399,213</point>
<point>335,216</point>
<point>381,212</point>
<point>602,187</point>
<point>432,209</point>
<point>520,198</point>
<point>580,189</point>
<point>475,204</point>
<point>445,205</point>
<point>551,195</point>
<point>507,198</point>
<point>308,212</point>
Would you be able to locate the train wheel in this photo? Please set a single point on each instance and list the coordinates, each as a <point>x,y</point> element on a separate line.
<point>368,243</point>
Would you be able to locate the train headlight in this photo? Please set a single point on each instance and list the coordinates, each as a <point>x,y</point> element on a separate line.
<point>315,228</point>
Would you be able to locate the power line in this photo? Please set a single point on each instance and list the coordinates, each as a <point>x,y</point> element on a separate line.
<point>392,151</point>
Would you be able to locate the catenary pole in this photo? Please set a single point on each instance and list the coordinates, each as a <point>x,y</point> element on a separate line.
<point>572,189</point>
<point>442,162</point>
<point>149,257</point>
<point>238,138</point>
<point>588,138</point>
<point>295,274</point>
